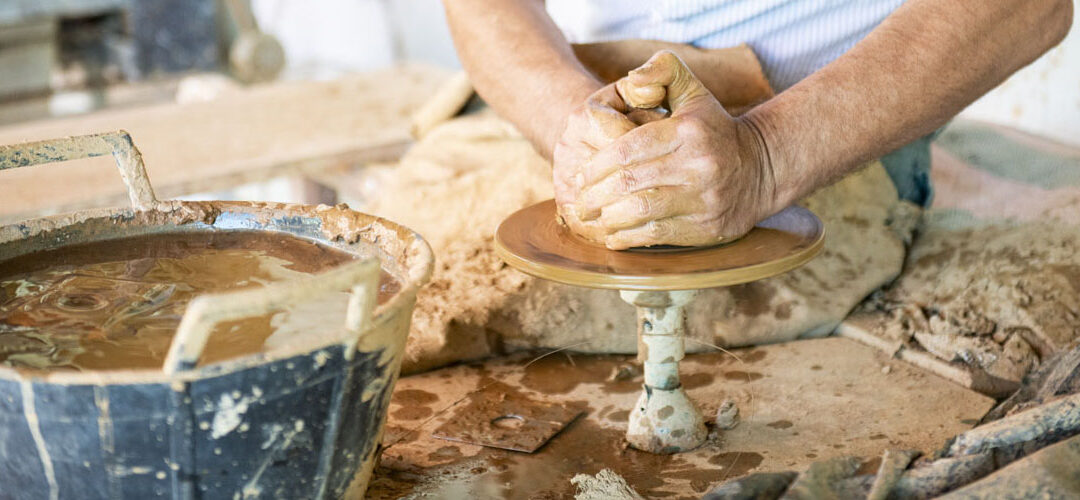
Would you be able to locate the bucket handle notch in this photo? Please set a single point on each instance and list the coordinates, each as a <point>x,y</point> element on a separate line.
<point>207,311</point>
<point>118,144</point>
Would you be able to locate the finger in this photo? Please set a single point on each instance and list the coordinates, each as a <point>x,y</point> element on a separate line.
<point>590,230</point>
<point>645,143</point>
<point>632,179</point>
<point>680,231</point>
<point>607,97</point>
<point>568,160</point>
<point>607,118</point>
<point>663,76</point>
<point>566,175</point>
<point>649,205</point>
<point>643,116</point>
<point>652,233</point>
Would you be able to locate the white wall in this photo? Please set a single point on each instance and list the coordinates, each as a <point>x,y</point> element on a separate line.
<point>1043,98</point>
<point>422,31</point>
<point>325,38</point>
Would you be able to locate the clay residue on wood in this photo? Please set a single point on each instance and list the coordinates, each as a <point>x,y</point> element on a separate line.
<point>995,296</point>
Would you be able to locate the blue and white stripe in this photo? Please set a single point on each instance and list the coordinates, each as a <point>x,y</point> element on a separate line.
<point>792,38</point>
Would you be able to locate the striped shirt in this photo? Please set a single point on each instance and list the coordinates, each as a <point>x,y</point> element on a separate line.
<point>792,38</point>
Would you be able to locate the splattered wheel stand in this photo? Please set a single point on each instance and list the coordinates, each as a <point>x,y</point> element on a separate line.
<point>664,420</point>
<point>660,283</point>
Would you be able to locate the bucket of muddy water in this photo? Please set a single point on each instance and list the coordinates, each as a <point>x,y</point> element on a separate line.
<point>196,349</point>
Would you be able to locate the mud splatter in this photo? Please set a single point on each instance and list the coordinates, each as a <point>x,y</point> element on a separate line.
<point>619,416</point>
<point>742,376</point>
<point>445,454</point>
<point>695,380</point>
<point>753,299</point>
<point>413,397</point>
<point>753,355</point>
<point>413,412</point>
<point>737,463</point>
<point>558,374</point>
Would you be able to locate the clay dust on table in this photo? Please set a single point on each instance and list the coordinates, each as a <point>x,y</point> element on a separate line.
<point>995,296</point>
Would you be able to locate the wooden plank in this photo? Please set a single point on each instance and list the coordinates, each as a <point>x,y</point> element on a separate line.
<point>278,129</point>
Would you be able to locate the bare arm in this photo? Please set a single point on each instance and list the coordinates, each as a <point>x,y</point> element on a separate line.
<point>922,65</point>
<point>521,64</point>
<point>701,177</point>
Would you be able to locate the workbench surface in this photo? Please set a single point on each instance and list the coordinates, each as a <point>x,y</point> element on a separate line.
<point>799,402</point>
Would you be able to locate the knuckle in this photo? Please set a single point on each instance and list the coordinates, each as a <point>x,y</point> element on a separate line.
<point>657,231</point>
<point>691,127</point>
<point>643,206</point>
<point>666,57</point>
<point>623,153</point>
<point>626,181</point>
<point>713,200</point>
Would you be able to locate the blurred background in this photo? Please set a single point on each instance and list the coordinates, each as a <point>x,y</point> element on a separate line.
<point>61,59</point>
<point>60,56</point>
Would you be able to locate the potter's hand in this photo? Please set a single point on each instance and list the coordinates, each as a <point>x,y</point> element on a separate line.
<point>697,177</point>
<point>594,124</point>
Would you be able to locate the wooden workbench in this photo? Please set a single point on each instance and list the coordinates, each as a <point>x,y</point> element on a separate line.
<point>255,134</point>
<point>799,402</point>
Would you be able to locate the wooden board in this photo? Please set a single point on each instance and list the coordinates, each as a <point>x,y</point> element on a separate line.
<point>259,133</point>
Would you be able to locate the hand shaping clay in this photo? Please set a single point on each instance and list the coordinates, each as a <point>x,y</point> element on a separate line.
<point>732,74</point>
<point>457,184</point>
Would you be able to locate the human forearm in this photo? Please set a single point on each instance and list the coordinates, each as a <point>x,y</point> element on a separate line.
<point>521,64</point>
<point>921,66</point>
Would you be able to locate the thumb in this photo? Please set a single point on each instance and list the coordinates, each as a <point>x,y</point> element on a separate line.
<point>663,77</point>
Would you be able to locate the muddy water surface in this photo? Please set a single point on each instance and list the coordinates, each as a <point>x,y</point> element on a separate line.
<point>116,304</point>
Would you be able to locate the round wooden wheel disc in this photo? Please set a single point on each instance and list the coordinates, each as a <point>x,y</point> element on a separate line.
<point>532,240</point>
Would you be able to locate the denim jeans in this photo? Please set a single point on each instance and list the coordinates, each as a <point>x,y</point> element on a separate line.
<point>909,168</point>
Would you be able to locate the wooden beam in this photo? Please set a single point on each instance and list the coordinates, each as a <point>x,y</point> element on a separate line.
<point>265,131</point>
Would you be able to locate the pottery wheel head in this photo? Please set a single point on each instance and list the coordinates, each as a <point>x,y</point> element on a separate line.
<point>532,240</point>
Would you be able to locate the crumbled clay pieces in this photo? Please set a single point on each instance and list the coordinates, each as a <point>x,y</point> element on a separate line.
<point>799,402</point>
<point>989,288</point>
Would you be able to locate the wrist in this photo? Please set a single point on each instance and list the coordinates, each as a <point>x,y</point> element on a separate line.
<point>572,98</point>
<point>757,141</point>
